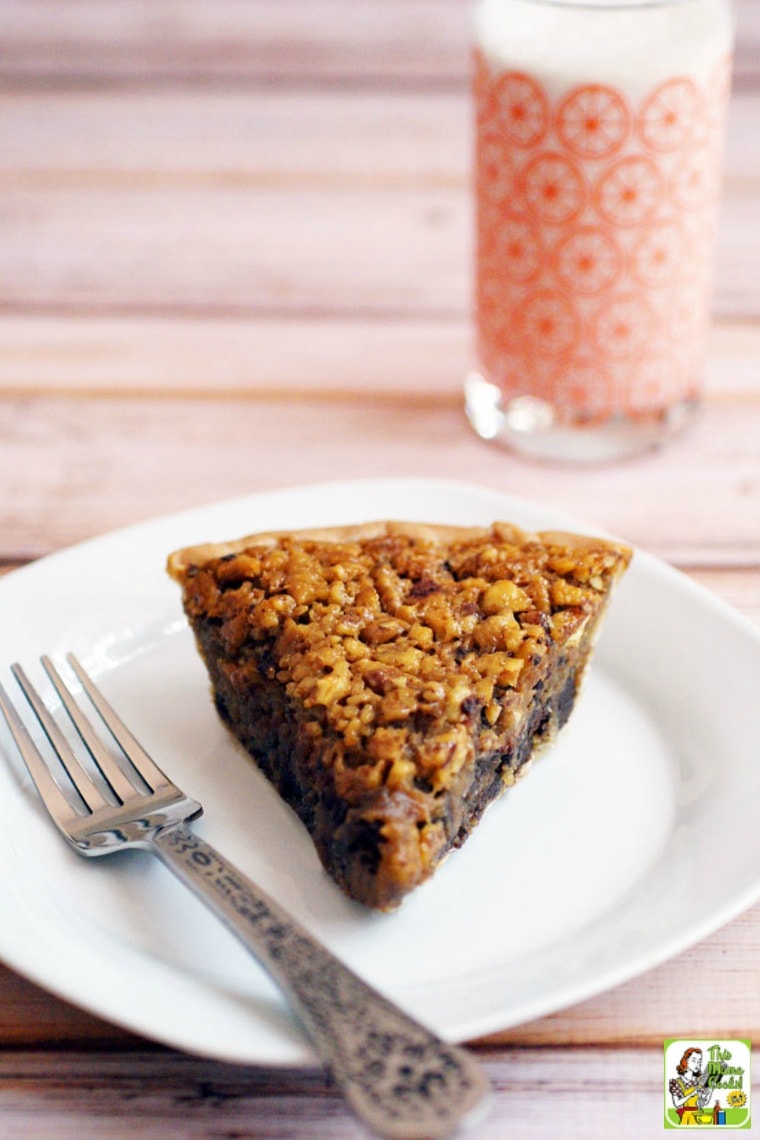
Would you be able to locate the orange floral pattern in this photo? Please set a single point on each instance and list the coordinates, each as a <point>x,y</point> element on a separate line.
<point>595,226</point>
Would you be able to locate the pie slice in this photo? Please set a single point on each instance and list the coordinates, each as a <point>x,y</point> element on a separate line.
<point>392,679</point>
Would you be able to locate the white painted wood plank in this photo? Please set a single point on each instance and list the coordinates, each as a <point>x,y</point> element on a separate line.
<point>74,468</point>
<point>222,356</point>
<point>322,138</point>
<point>329,356</point>
<point>245,42</point>
<point>366,41</point>
<point>255,250</point>
<point>288,138</point>
<point>579,1094</point>
<point>142,223</point>
<point>235,250</point>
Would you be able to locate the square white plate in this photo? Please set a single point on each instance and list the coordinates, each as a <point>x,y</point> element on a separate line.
<point>597,866</point>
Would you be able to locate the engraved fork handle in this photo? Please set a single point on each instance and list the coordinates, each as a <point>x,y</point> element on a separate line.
<point>400,1079</point>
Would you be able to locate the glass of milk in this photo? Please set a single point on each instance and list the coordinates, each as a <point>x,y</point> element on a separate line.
<point>598,138</point>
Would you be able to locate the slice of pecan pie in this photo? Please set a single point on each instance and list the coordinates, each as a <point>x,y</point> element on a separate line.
<point>391,679</point>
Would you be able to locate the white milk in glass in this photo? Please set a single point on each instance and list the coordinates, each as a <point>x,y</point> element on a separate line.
<point>599,131</point>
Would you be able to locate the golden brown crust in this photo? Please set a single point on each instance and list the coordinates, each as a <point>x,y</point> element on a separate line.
<point>201,553</point>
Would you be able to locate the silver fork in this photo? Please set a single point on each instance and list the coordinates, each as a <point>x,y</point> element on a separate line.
<point>399,1077</point>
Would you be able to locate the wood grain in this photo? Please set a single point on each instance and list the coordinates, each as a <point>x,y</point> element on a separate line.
<point>30,1016</point>
<point>258,241</point>
<point>86,1094</point>
<point>418,42</point>
<point>144,139</point>
<point>71,469</point>
<point>278,357</point>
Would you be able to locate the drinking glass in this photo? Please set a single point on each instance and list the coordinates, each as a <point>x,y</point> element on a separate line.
<point>598,138</point>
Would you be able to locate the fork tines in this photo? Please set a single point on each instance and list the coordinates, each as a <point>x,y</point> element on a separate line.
<point>112,785</point>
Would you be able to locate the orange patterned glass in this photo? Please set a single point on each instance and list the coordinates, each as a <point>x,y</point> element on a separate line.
<point>595,231</point>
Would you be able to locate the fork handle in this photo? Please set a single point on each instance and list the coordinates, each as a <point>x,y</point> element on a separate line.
<point>399,1077</point>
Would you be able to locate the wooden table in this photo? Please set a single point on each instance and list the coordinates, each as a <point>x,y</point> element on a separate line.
<point>235,255</point>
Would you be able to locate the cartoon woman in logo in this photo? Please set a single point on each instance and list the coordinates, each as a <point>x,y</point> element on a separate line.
<point>688,1089</point>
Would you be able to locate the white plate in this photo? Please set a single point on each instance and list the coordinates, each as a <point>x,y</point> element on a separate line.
<point>634,837</point>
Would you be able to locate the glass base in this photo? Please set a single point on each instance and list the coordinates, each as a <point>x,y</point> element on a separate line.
<point>532,427</point>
